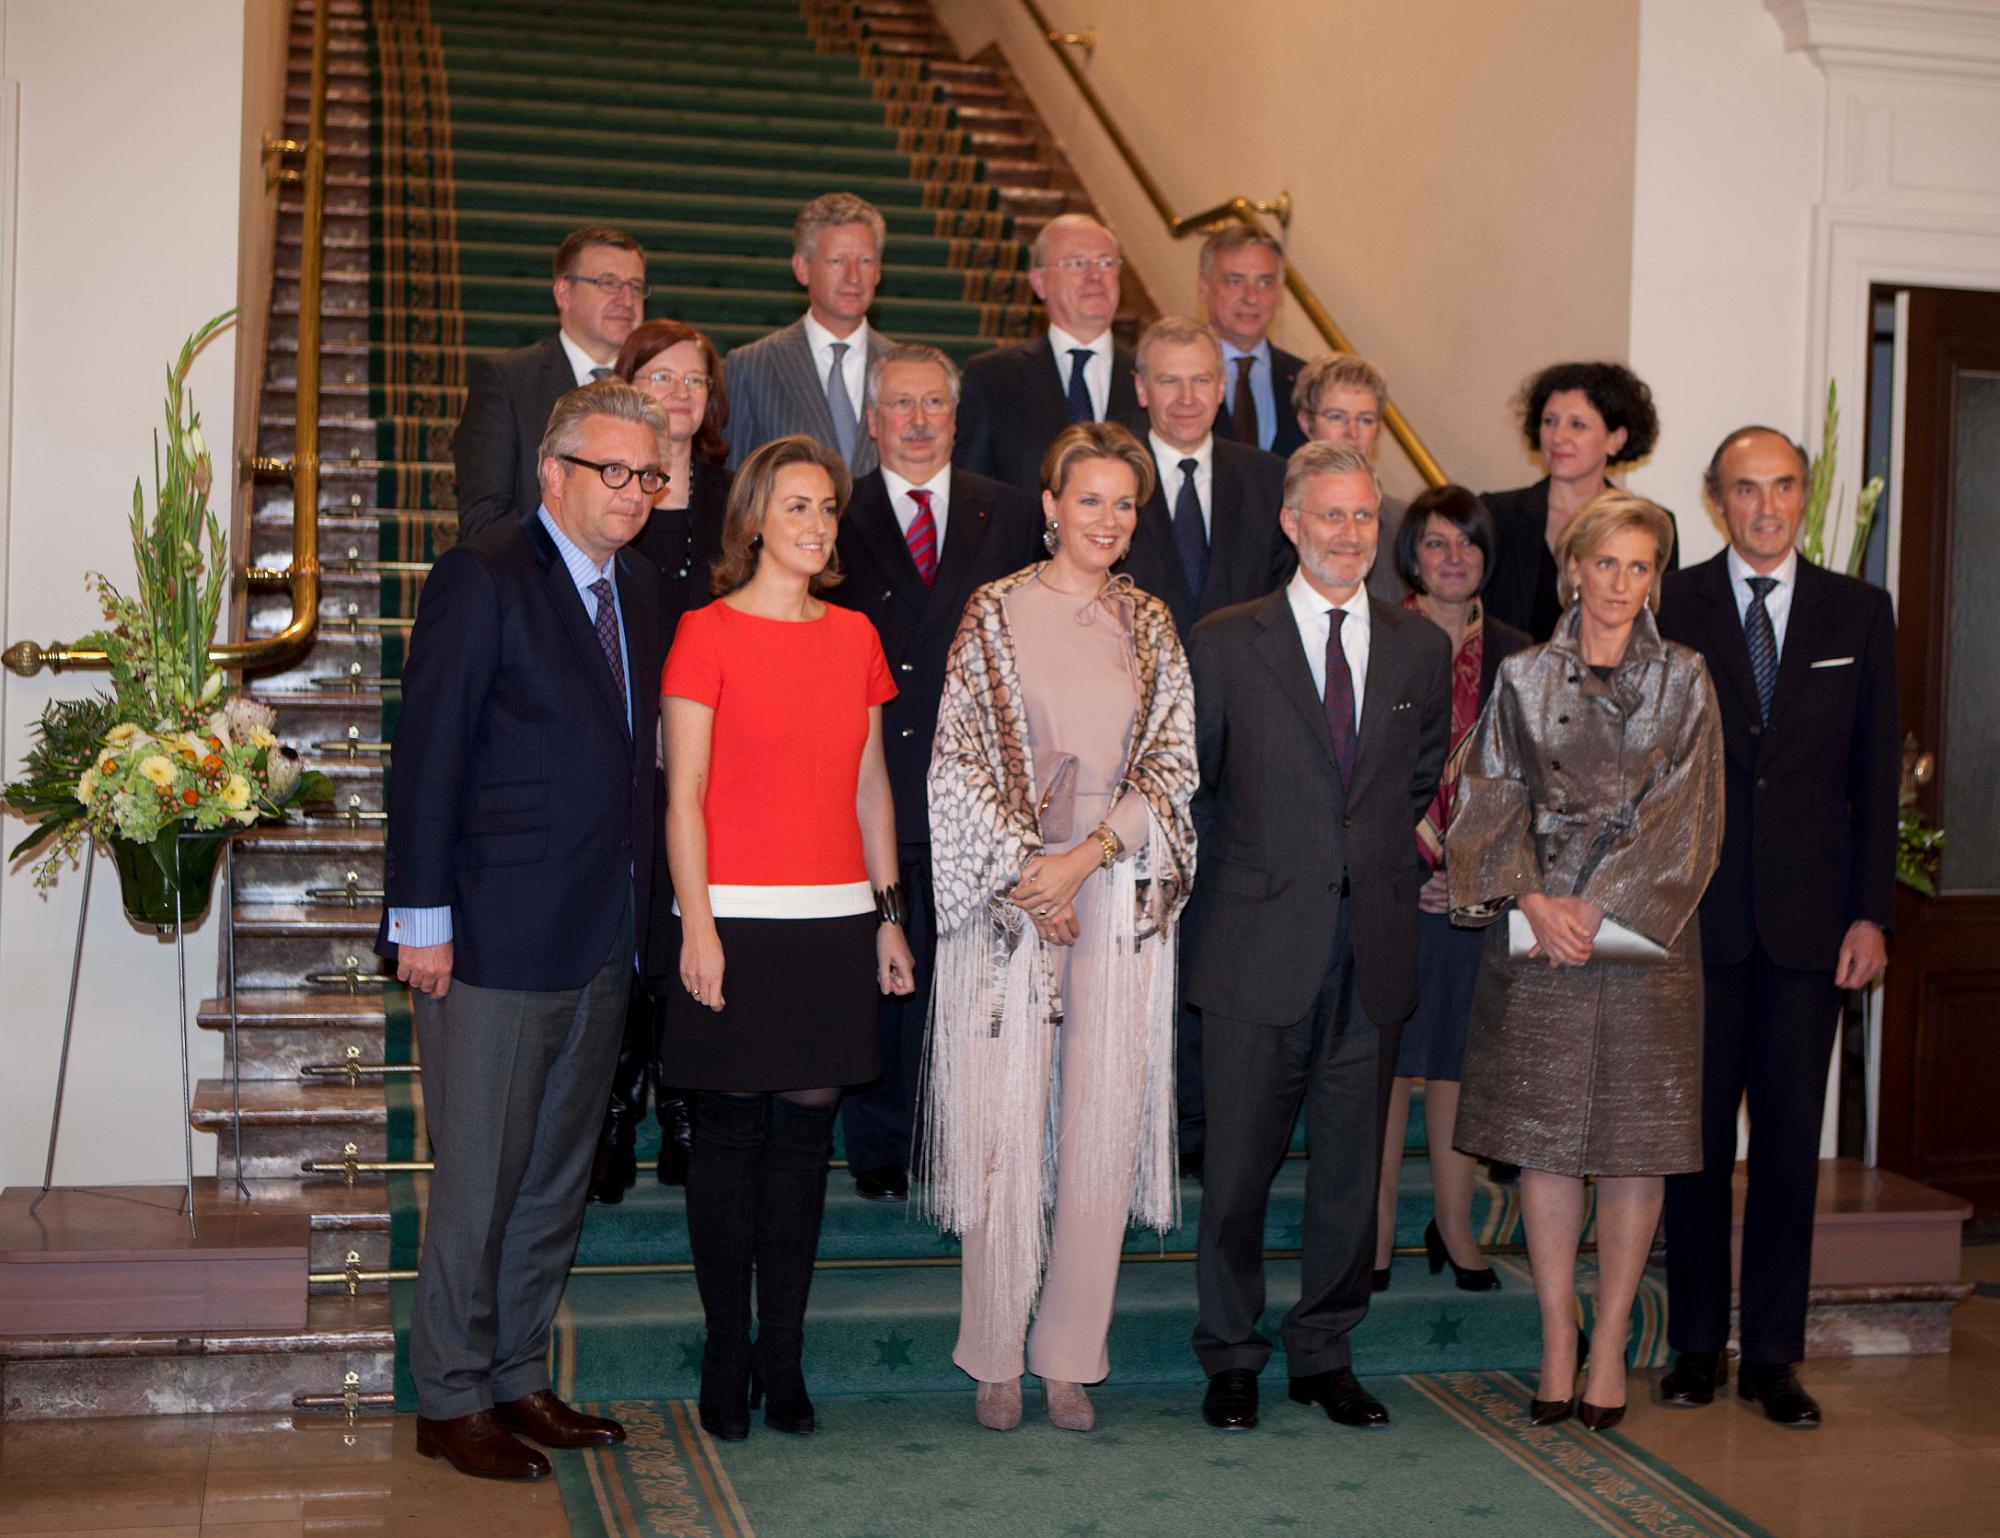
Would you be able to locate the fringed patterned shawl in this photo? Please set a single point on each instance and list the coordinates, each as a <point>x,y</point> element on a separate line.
<point>990,1093</point>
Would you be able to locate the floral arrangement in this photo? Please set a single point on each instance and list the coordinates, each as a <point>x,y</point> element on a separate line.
<point>169,750</point>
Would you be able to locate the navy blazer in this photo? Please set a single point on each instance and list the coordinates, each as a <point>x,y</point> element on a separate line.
<point>494,450</point>
<point>1012,405</point>
<point>1285,370</point>
<point>1809,810</point>
<point>1248,554</point>
<point>517,795</point>
<point>990,530</point>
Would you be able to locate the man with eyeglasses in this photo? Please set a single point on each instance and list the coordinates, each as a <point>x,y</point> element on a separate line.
<point>1241,281</point>
<point>808,377</point>
<point>600,293</point>
<point>522,813</point>
<point>917,538</point>
<point>1016,399</point>
<point>1339,399</point>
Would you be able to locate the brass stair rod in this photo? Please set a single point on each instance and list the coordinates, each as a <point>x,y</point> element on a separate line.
<point>26,658</point>
<point>1236,208</point>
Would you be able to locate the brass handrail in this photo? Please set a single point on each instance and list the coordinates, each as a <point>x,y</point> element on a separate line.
<point>27,658</point>
<point>1182,225</point>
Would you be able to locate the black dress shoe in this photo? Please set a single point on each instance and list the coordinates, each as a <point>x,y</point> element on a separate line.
<point>614,1170</point>
<point>1231,1401</point>
<point>887,1183</point>
<point>1379,1282</point>
<point>1343,1399</point>
<point>1191,1163</point>
<point>1693,1378</point>
<point>1776,1386</point>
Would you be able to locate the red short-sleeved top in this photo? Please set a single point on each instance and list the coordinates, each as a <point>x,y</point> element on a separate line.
<point>791,702</point>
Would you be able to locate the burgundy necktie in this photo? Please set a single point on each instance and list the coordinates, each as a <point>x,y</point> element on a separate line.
<point>921,536</point>
<point>607,634</point>
<point>1339,698</point>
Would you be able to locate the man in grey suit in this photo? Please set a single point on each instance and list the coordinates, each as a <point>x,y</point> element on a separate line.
<point>1321,721</point>
<point>1338,398</point>
<point>811,377</point>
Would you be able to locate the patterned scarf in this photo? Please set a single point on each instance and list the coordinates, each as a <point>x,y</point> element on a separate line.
<point>1465,668</point>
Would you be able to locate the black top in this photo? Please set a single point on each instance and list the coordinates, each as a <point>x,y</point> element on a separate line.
<point>1522,588</point>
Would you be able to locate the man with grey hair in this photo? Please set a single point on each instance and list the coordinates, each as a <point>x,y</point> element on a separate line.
<point>918,536</point>
<point>1321,721</point>
<point>1241,280</point>
<point>1016,399</point>
<point>808,377</point>
<point>522,812</point>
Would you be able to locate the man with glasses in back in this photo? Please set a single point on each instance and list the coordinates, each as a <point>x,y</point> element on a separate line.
<point>1016,399</point>
<point>600,292</point>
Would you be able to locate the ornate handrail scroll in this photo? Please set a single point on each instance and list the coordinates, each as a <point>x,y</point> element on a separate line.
<point>302,469</point>
<point>1240,208</point>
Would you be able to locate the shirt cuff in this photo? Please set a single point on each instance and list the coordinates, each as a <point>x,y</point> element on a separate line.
<point>420,926</point>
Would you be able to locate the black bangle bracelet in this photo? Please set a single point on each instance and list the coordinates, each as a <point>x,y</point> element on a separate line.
<point>891,906</point>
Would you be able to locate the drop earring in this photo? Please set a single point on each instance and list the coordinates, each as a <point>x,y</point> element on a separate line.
<point>1049,533</point>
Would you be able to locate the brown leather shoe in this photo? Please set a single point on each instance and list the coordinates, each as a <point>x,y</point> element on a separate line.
<point>546,1419</point>
<point>479,1445</point>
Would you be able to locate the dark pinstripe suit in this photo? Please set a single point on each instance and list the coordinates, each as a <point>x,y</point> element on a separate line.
<point>775,390</point>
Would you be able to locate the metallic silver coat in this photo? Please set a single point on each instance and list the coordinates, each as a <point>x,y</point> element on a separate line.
<point>1608,789</point>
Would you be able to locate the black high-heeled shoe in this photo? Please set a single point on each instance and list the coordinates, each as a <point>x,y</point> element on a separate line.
<point>1597,1417</point>
<point>1551,1412</point>
<point>1469,1278</point>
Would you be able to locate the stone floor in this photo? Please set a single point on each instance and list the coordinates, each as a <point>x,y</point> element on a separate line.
<point>1911,1448</point>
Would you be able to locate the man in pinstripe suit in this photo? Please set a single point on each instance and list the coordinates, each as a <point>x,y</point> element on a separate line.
<point>811,376</point>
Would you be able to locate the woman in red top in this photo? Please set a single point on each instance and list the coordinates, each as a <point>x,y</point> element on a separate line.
<point>782,842</point>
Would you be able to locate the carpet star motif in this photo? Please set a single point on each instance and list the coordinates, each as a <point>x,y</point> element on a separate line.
<point>690,1356</point>
<point>917,1447</point>
<point>1445,1328</point>
<point>893,1351</point>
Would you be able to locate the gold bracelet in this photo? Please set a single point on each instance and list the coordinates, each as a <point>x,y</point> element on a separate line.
<point>1111,845</point>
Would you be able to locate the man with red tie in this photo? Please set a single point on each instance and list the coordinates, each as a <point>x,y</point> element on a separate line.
<point>917,538</point>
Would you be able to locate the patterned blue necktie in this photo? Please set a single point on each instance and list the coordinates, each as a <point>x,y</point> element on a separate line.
<point>1190,533</point>
<point>1763,638</point>
<point>607,635</point>
<point>1339,697</point>
<point>1079,392</point>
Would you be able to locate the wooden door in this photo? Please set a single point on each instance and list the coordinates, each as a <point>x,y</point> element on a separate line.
<point>1940,1106</point>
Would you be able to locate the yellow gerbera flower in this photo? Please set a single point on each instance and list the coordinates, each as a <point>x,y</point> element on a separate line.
<point>159,769</point>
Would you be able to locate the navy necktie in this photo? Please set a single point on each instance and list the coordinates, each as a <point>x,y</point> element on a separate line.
<point>1243,418</point>
<point>1763,638</point>
<point>1339,698</point>
<point>1190,533</point>
<point>1079,392</point>
<point>607,635</point>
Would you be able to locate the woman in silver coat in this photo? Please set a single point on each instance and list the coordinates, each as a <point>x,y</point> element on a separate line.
<point>1591,802</point>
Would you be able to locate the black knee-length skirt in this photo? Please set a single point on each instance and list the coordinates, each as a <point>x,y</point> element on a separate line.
<point>799,1008</point>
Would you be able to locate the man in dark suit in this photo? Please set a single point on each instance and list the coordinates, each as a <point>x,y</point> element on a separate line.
<point>522,812</point>
<point>809,376</point>
<point>917,537</point>
<point>1321,721</point>
<point>1016,399</point>
<point>600,289</point>
<point>1801,902</point>
<point>1241,281</point>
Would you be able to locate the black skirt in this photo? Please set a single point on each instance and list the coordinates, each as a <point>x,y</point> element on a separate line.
<point>1433,1044</point>
<point>799,1008</point>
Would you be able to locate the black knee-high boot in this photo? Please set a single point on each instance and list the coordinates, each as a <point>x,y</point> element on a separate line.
<point>791,1202</point>
<point>722,1182</point>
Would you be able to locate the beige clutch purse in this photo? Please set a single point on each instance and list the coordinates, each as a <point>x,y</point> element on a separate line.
<point>1614,941</point>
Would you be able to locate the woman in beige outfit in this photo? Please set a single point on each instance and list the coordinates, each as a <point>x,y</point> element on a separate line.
<point>1591,801</point>
<point>1062,849</point>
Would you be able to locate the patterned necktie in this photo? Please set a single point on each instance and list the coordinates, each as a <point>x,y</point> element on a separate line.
<point>1763,638</point>
<point>1339,697</point>
<point>607,634</point>
<point>599,374</point>
<point>1190,533</point>
<point>841,404</point>
<point>1079,392</point>
<point>921,536</point>
<point>1243,418</point>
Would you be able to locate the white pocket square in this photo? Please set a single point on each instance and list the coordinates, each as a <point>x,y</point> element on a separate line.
<point>1833,662</point>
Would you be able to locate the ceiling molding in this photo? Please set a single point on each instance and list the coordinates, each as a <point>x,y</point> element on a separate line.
<point>1948,37</point>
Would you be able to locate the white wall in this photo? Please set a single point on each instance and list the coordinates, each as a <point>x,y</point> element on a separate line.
<point>124,237</point>
<point>1726,173</point>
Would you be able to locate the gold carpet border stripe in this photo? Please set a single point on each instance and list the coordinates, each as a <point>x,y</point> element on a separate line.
<point>603,1480</point>
<point>708,1468</point>
<point>420,245</point>
<point>655,1463</point>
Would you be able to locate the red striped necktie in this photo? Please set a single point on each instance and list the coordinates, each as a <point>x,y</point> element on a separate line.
<point>921,536</point>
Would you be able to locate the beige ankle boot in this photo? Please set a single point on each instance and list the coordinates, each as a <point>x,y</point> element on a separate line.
<point>998,1405</point>
<point>1068,1405</point>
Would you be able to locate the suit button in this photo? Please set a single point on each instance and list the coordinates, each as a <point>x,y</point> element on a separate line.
<point>1562,720</point>
<point>888,593</point>
<point>906,667</point>
<point>909,731</point>
<point>1763,784</point>
<point>1756,731</point>
<point>1347,822</point>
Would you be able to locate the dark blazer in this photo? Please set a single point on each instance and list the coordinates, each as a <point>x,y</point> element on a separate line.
<point>507,404</point>
<point>1012,404</point>
<point>1499,641</point>
<point>775,389</point>
<point>684,543</point>
<point>517,796</point>
<point>1809,822</point>
<point>1521,590</point>
<point>1285,367</point>
<point>1284,835</point>
<point>991,530</point>
<point>1248,553</point>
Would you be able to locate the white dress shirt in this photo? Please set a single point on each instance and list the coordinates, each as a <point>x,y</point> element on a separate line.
<point>939,486</point>
<point>580,362</point>
<point>1310,612</point>
<point>1168,459</point>
<point>853,366</point>
<point>1778,603</point>
<point>1096,372</point>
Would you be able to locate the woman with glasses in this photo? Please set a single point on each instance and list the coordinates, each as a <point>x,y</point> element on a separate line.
<point>787,923</point>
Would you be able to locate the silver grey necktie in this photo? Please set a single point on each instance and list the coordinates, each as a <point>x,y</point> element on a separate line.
<point>841,404</point>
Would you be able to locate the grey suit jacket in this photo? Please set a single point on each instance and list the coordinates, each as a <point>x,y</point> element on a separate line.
<point>1282,833</point>
<point>774,390</point>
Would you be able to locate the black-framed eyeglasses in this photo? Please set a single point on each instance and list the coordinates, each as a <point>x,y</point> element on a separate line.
<point>604,283</point>
<point>617,474</point>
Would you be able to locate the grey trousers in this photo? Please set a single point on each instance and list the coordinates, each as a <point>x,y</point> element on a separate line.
<point>1340,1064</point>
<point>514,1086</point>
